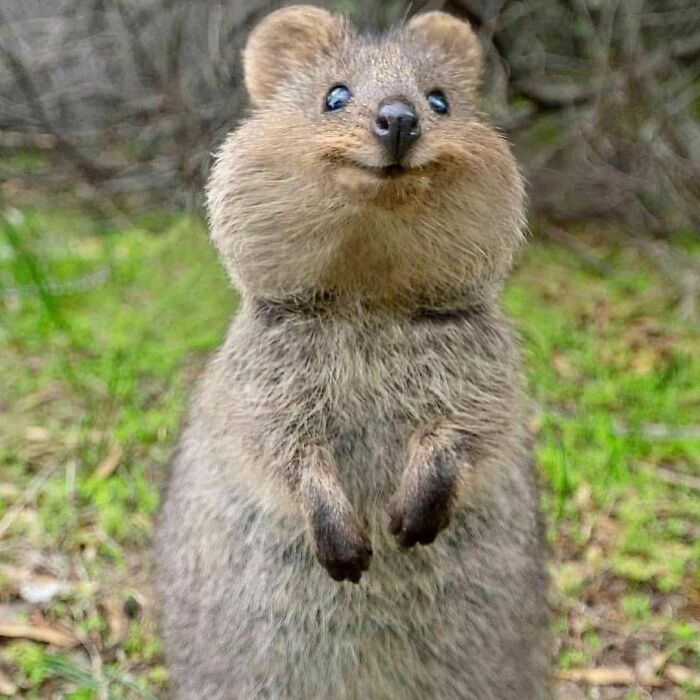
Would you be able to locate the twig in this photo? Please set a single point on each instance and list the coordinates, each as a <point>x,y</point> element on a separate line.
<point>677,479</point>
<point>27,496</point>
<point>609,675</point>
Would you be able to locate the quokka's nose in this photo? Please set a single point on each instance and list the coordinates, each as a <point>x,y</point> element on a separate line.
<point>397,127</point>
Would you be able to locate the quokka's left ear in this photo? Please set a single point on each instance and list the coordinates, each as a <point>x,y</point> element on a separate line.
<point>287,41</point>
<point>453,39</point>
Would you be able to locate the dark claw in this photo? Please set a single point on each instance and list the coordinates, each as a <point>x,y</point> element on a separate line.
<point>337,574</point>
<point>344,560</point>
<point>349,569</point>
<point>427,537</point>
<point>419,533</point>
<point>419,521</point>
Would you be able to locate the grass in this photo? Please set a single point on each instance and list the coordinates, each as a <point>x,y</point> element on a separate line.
<point>101,336</point>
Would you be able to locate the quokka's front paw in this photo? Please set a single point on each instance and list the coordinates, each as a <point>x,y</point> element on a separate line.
<point>341,545</point>
<point>421,508</point>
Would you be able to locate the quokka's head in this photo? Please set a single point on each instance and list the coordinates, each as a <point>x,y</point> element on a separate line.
<point>365,168</point>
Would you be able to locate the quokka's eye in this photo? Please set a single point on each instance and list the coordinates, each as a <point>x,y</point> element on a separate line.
<point>338,96</point>
<point>438,102</point>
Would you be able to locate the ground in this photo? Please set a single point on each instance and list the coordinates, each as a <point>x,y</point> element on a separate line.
<point>103,330</point>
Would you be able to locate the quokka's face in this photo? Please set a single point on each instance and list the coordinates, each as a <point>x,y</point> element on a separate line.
<point>379,117</point>
<point>364,151</point>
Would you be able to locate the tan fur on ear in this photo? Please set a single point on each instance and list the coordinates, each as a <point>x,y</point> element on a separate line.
<point>456,39</point>
<point>285,42</point>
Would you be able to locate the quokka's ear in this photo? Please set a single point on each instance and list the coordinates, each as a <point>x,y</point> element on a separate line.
<point>454,39</point>
<point>287,41</point>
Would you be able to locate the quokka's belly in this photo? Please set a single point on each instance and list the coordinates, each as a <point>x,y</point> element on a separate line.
<point>250,612</point>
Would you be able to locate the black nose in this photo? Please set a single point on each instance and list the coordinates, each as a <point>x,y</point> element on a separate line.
<point>397,127</point>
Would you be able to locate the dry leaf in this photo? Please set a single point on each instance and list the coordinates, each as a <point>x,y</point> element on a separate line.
<point>584,497</point>
<point>117,620</point>
<point>38,633</point>
<point>569,575</point>
<point>594,555</point>
<point>643,361</point>
<point>8,490</point>
<point>15,576</point>
<point>562,367</point>
<point>536,422</point>
<point>35,433</point>
<point>42,590</point>
<point>7,687</point>
<point>34,588</point>
<point>110,462</point>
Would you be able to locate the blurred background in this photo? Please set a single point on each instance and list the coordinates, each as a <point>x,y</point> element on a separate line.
<point>111,299</point>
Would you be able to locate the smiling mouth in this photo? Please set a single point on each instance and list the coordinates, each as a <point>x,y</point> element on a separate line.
<point>385,172</point>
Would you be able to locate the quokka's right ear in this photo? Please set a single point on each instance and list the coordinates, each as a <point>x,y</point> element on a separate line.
<point>454,39</point>
<point>287,41</point>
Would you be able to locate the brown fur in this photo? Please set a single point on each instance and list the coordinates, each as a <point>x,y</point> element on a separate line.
<point>366,397</point>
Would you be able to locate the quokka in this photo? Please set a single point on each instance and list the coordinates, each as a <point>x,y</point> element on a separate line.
<point>352,511</point>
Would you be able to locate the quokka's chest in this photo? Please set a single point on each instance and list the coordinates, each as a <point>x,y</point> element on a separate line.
<point>389,375</point>
<point>340,373</point>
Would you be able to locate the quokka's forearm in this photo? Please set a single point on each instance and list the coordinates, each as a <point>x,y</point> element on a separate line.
<point>438,462</point>
<point>339,541</point>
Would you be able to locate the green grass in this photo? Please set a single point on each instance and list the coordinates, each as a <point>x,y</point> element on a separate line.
<point>102,334</point>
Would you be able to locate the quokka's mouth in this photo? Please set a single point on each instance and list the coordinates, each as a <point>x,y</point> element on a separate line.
<point>385,172</point>
<point>390,183</point>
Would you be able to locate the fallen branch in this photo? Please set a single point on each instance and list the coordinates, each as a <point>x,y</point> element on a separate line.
<point>610,675</point>
<point>677,479</point>
<point>39,633</point>
<point>110,462</point>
